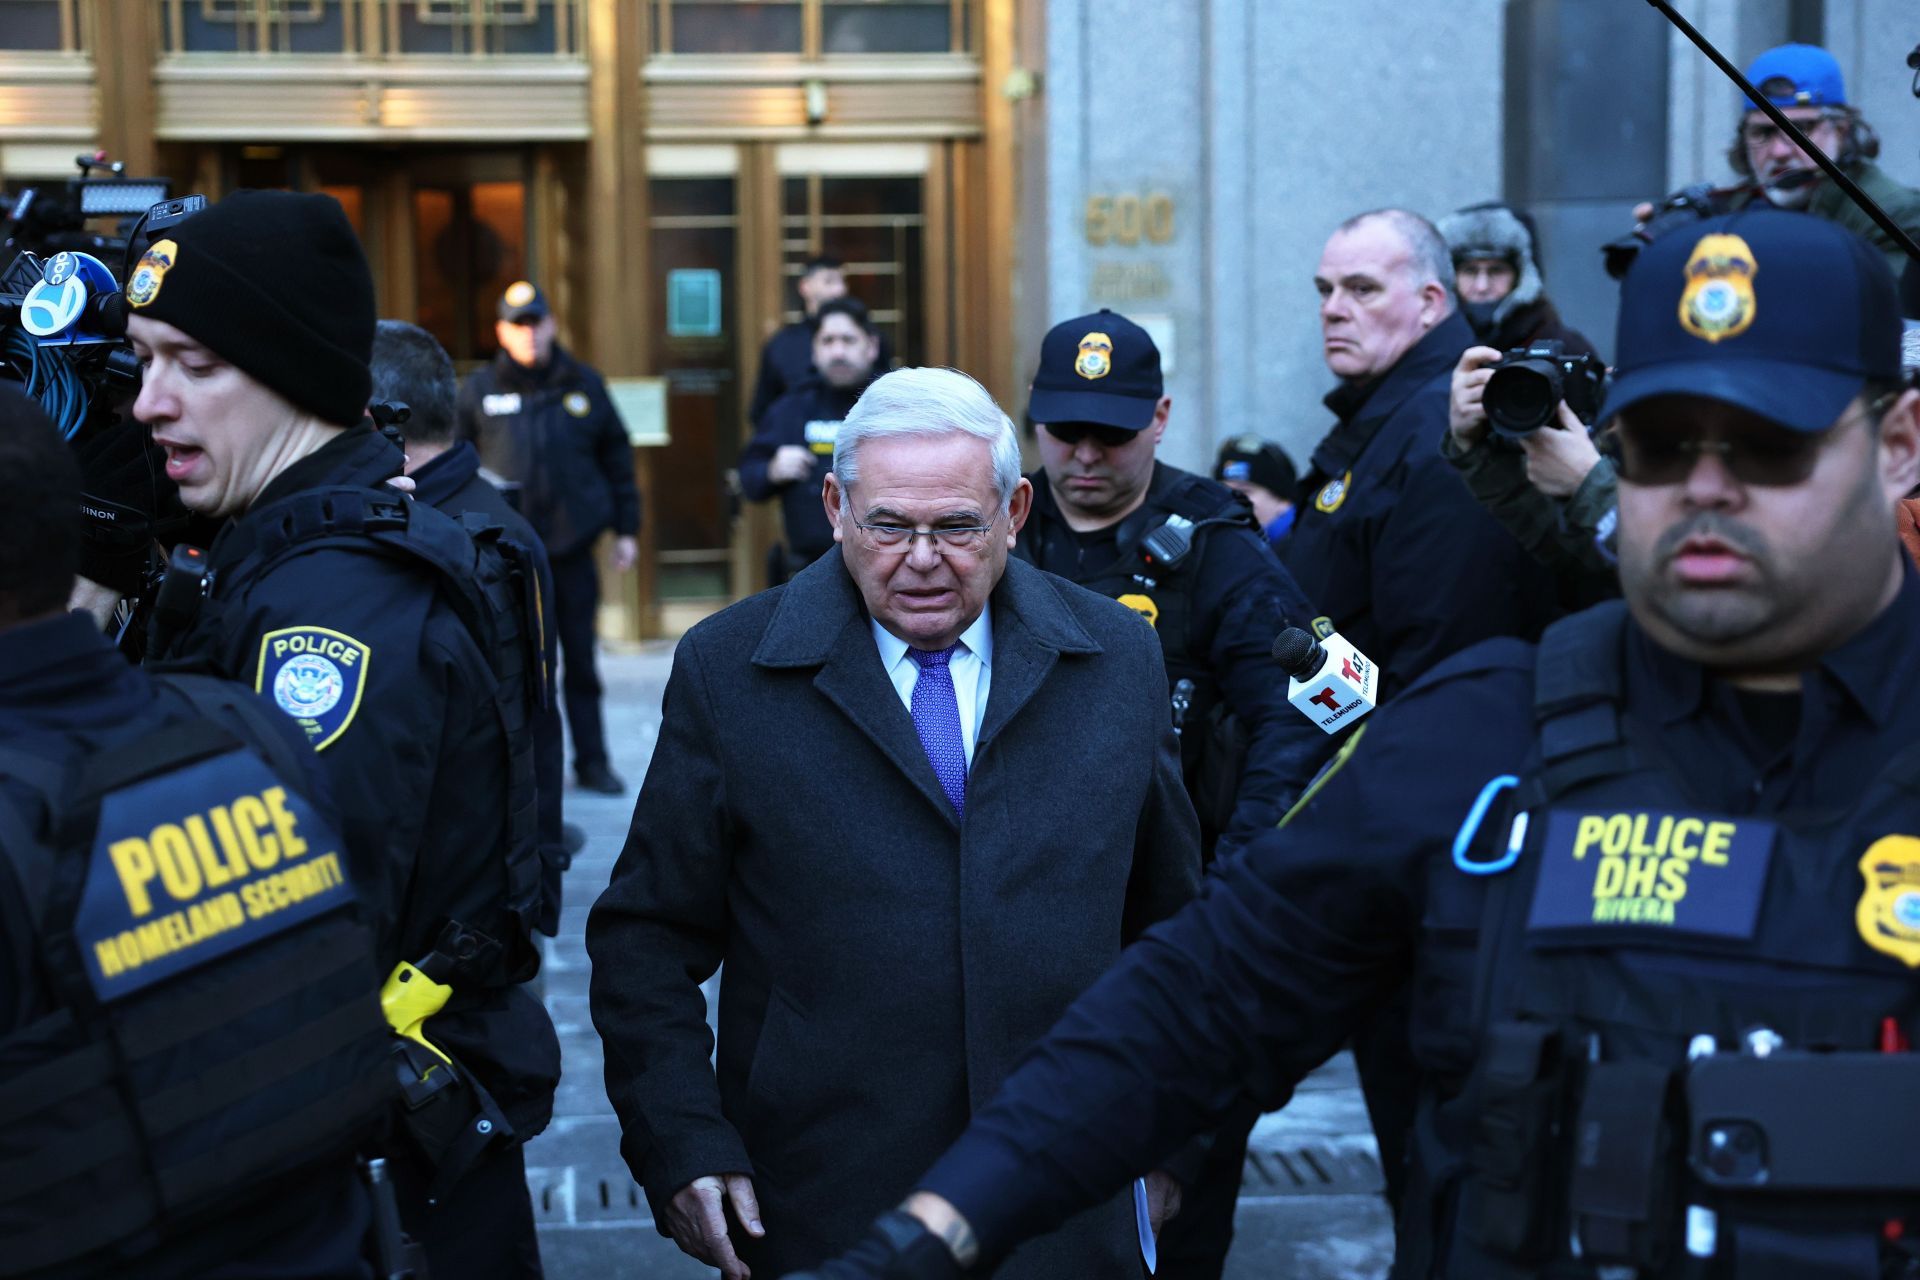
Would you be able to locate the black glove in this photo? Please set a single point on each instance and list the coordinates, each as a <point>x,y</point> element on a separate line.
<point>896,1247</point>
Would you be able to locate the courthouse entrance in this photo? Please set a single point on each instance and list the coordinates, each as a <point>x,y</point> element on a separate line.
<point>730,228</point>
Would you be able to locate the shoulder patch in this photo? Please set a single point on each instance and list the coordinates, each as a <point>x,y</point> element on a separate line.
<point>315,675</point>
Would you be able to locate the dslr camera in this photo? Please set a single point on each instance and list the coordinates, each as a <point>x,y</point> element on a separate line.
<point>1530,382</point>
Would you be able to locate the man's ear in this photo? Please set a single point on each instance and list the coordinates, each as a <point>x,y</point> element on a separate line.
<point>830,497</point>
<point>1018,509</point>
<point>1900,446</point>
<point>1433,303</point>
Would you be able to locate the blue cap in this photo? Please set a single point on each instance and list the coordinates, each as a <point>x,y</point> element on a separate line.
<point>1782,314</point>
<point>523,303</point>
<point>1101,368</point>
<point>1813,72</point>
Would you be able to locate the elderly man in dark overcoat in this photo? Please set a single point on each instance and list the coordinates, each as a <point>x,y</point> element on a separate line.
<point>913,802</point>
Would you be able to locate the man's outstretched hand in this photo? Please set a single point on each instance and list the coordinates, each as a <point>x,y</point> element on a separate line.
<point>899,1246</point>
<point>697,1219</point>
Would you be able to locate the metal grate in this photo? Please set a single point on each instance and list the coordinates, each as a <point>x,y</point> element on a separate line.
<point>1311,1171</point>
<point>572,1195</point>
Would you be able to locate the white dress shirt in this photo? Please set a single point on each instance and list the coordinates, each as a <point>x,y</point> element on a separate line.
<point>971,667</point>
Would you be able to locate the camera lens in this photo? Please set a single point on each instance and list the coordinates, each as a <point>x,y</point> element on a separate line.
<point>1521,396</point>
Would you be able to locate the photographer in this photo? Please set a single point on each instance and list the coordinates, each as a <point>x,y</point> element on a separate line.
<point>1550,487</point>
<point>1805,83</point>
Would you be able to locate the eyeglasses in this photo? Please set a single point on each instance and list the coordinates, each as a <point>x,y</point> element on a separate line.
<point>947,539</point>
<point>1072,433</point>
<point>1758,453</point>
<point>1764,133</point>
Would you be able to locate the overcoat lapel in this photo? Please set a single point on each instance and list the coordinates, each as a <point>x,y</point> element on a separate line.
<point>822,622</point>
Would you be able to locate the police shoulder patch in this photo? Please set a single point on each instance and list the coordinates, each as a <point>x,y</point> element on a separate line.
<point>315,675</point>
<point>1332,494</point>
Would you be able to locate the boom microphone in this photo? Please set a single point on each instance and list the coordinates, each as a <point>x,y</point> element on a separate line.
<point>1329,681</point>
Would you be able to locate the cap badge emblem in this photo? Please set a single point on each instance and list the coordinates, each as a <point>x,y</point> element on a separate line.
<point>519,293</point>
<point>1718,302</point>
<point>1095,360</point>
<point>1888,916</point>
<point>147,278</point>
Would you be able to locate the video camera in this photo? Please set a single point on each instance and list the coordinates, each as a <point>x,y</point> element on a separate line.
<point>1529,383</point>
<point>63,322</point>
<point>1688,205</point>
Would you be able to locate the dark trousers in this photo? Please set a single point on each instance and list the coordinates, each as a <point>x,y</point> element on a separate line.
<point>576,607</point>
<point>1194,1245</point>
<point>1390,1083</point>
<point>483,1230</point>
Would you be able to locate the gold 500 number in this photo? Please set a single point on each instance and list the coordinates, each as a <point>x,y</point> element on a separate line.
<point>1128,220</point>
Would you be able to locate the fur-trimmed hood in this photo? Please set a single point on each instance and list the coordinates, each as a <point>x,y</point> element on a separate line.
<point>1496,231</point>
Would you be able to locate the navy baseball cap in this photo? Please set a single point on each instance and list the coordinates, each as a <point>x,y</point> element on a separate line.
<point>1812,71</point>
<point>1102,369</point>
<point>1782,314</point>
<point>523,303</point>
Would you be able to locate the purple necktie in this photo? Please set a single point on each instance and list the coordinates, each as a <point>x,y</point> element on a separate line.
<point>936,717</point>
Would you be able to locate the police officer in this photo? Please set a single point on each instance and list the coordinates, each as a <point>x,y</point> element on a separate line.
<point>1388,542</point>
<point>1664,1021</point>
<point>1181,550</point>
<point>147,950</point>
<point>792,451</point>
<point>411,368</point>
<point>543,420</point>
<point>1187,554</point>
<point>394,640</point>
<point>786,360</point>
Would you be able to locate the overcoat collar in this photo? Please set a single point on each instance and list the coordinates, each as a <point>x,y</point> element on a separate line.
<point>821,622</point>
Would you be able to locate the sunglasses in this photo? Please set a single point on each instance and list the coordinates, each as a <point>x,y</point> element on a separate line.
<point>1072,433</point>
<point>1759,453</point>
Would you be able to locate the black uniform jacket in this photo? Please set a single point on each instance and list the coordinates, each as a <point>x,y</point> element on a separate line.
<point>808,416</point>
<point>1240,597</point>
<point>416,764</point>
<point>555,433</point>
<point>884,963</point>
<point>787,361</point>
<point>64,693</point>
<point>1401,559</point>
<point>1291,945</point>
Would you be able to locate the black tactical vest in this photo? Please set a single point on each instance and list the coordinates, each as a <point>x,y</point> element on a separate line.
<point>1692,1026</point>
<point>215,1042</point>
<point>491,584</point>
<point>1213,742</point>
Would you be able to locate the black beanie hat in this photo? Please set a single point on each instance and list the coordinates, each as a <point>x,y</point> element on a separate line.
<point>276,284</point>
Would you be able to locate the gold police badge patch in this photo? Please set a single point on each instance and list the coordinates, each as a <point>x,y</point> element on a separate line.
<point>1144,606</point>
<point>519,293</point>
<point>1718,302</point>
<point>577,404</point>
<point>144,286</point>
<point>1095,360</point>
<point>317,676</point>
<point>1332,494</point>
<point>1888,916</point>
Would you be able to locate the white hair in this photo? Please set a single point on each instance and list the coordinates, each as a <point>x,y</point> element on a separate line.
<point>926,402</point>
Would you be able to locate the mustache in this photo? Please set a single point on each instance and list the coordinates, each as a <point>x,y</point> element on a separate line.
<point>1710,524</point>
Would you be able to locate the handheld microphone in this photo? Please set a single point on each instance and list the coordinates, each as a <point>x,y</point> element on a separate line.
<point>1329,682</point>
